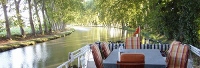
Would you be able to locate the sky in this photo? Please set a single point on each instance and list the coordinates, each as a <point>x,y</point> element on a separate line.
<point>25,13</point>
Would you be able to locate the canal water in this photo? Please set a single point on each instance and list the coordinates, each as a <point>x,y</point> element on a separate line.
<point>52,53</point>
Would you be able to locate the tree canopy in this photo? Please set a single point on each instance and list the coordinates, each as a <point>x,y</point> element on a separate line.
<point>174,19</point>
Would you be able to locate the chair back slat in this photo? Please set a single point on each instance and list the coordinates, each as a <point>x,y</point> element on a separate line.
<point>132,43</point>
<point>105,49</point>
<point>97,56</point>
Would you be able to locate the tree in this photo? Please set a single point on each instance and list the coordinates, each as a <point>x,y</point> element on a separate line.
<point>49,24</point>
<point>30,18</point>
<point>19,20</point>
<point>44,18</point>
<point>38,17</point>
<point>3,3</point>
<point>128,12</point>
<point>179,20</point>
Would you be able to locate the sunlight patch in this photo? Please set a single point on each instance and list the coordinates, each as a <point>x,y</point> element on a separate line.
<point>81,28</point>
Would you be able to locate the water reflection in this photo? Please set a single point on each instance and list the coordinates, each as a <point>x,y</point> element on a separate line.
<point>27,57</point>
<point>53,53</point>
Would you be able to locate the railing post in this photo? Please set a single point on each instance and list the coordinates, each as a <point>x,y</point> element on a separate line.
<point>71,56</point>
<point>116,46</point>
<point>78,62</point>
<point>99,44</point>
<point>110,45</point>
<point>66,65</point>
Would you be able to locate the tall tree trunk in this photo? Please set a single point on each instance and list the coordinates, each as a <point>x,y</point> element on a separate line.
<point>123,24</point>
<point>44,19</point>
<point>62,22</point>
<point>50,25</point>
<point>21,24</point>
<point>6,22</point>
<point>30,18</point>
<point>63,26</point>
<point>38,17</point>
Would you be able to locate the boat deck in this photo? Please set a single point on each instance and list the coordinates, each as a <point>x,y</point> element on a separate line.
<point>90,62</point>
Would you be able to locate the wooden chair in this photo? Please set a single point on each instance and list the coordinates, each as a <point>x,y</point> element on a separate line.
<point>97,56</point>
<point>130,60</point>
<point>132,43</point>
<point>177,56</point>
<point>105,49</point>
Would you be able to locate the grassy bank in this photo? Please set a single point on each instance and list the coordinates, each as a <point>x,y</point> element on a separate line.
<point>32,41</point>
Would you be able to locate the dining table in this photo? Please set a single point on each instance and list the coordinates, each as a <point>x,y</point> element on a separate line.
<point>153,58</point>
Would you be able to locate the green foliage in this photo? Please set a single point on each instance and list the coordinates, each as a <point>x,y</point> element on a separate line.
<point>179,20</point>
<point>1,25</point>
<point>171,19</point>
<point>16,31</point>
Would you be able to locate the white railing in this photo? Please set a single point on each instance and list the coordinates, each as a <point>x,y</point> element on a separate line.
<point>66,64</point>
<point>195,50</point>
<point>80,54</point>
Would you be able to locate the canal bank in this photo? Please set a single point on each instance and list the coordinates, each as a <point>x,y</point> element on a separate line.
<point>33,41</point>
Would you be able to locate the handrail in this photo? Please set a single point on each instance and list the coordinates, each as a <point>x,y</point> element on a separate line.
<point>74,55</point>
<point>64,64</point>
<point>195,50</point>
<point>79,52</point>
